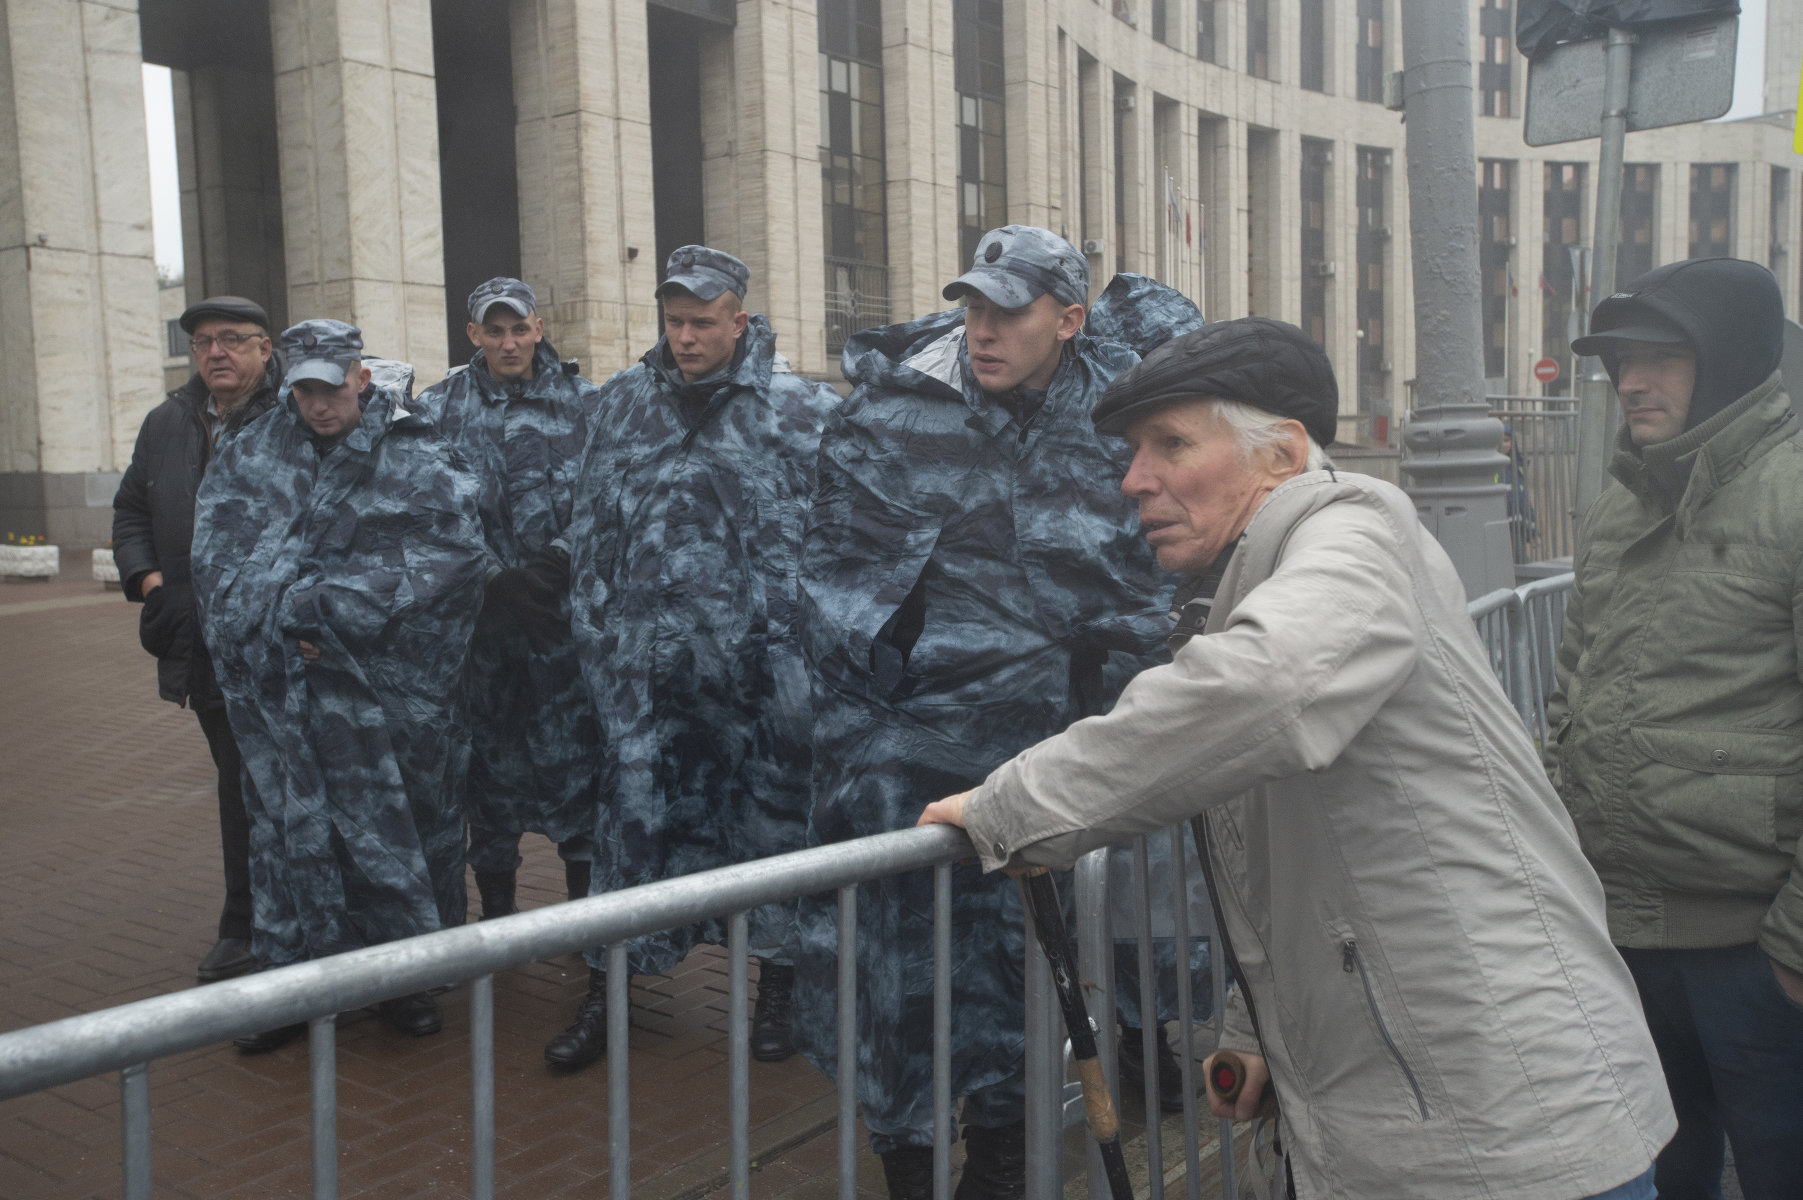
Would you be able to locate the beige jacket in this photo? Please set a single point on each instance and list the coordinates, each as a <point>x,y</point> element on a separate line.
<point>1419,933</point>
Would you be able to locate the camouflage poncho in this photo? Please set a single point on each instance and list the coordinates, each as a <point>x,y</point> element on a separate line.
<point>683,567</point>
<point>972,582</point>
<point>536,744</point>
<point>372,550</point>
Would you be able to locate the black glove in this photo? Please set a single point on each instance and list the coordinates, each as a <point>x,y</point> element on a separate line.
<point>164,622</point>
<point>529,597</point>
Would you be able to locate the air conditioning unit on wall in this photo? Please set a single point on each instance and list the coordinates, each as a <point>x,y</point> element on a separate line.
<point>1094,246</point>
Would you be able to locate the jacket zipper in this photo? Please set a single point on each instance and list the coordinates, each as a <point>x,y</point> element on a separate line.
<point>1351,961</point>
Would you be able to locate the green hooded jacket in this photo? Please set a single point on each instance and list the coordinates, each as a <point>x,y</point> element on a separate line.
<point>1677,719</point>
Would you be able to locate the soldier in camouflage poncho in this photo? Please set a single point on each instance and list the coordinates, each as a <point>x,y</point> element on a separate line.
<point>973,579</point>
<point>521,418</point>
<point>683,562</point>
<point>338,565</point>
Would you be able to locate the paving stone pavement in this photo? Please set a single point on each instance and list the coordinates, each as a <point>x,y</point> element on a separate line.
<point>112,893</point>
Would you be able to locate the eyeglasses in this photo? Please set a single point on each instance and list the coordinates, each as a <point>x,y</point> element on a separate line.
<point>231,341</point>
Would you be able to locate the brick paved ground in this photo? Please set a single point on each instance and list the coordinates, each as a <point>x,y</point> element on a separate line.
<point>110,893</point>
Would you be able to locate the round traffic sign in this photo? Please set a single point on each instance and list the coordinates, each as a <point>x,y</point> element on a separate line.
<point>1546,370</point>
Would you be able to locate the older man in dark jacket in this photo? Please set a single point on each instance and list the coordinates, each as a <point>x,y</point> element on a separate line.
<point>236,373</point>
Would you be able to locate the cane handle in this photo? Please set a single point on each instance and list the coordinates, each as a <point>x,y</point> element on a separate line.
<point>1103,1123</point>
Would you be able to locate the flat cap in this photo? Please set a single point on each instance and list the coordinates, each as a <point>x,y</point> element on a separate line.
<point>1017,264</point>
<point>705,272</point>
<point>321,349</point>
<point>232,308</point>
<point>1255,360</point>
<point>502,289</point>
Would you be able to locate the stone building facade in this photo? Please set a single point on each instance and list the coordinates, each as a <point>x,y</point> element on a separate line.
<point>374,159</point>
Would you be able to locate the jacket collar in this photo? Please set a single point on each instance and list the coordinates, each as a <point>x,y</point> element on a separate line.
<point>1681,475</point>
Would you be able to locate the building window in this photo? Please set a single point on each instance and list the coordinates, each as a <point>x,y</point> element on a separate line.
<point>1258,38</point>
<point>1205,30</point>
<point>1316,155</point>
<point>1374,234</point>
<point>1780,220</point>
<point>1370,51</point>
<point>1562,207</point>
<point>982,154</point>
<point>851,168</point>
<point>1634,253</point>
<point>175,339</point>
<point>1711,209</point>
<point>1494,203</point>
<point>1314,45</point>
<point>1159,20</point>
<point>1496,34</point>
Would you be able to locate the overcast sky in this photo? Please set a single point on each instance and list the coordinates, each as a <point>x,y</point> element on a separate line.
<point>165,196</point>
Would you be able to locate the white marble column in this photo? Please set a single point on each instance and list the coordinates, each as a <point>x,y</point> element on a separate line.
<point>357,126</point>
<point>79,333</point>
<point>920,132</point>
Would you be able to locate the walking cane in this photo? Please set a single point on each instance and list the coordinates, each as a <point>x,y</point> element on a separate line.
<point>1040,897</point>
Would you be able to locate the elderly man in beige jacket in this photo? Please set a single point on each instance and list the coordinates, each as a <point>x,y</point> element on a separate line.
<point>1426,979</point>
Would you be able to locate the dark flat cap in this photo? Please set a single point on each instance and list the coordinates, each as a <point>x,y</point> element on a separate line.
<point>232,308</point>
<point>1260,362</point>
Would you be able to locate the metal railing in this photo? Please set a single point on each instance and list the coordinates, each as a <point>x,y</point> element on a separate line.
<point>1544,500</point>
<point>1519,629</point>
<point>857,297</point>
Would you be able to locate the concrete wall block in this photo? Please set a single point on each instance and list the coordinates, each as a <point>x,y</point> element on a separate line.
<point>370,125</point>
<point>423,314</point>
<point>133,358</point>
<point>50,104</point>
<point>18,383</point>
<point>416,171</point>
<point>66,308</point>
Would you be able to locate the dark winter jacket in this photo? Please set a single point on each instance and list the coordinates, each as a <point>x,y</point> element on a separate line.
<point>153,528</point>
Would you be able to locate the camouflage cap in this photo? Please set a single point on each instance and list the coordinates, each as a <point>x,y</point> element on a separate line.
<point>1017,264</point>
<point>502,290</point>
<point>706,272</point>
<point>323,349</point>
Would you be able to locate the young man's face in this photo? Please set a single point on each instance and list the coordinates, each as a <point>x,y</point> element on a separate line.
<point>703,333</point>
<point>507,341</point>
<point>1017,347</point>
<point>331,411</point>
<point>1654,383</point>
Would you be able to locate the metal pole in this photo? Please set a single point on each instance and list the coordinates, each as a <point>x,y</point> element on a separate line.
<point>738,1055</point>
<point>1596,404</point>
<point>482,1088</point>
<point>1451,441</point>
<point>848,1044</point>
<point>134,1125</point>
<point>322,1068</point>
<point>942,1035</point>
<point>619,1073</point>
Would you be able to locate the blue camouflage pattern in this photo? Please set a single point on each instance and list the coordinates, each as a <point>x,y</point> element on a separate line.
<point>353,765</point>
<point>970,586</point>
<point>683,556</point>
<point>536,742</point>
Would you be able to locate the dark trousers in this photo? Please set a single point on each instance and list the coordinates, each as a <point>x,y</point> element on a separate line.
<point>1731,1043</point>
<point>234,823</point>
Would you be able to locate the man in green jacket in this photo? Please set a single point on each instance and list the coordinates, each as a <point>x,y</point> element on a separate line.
<point>1678,714</point>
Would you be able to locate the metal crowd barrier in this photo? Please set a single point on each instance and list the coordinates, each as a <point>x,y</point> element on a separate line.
<point>1519,628</point>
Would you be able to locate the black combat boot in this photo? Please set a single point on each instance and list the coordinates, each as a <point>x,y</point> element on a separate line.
<point>1133,1070</point>
<point>995,1163</point>
<point>908,1170</point>
<point>575,878</point>
<point>416,1015</point>
<point>770,1018</point>
<point>496,890</point>
<point>586,1040</point>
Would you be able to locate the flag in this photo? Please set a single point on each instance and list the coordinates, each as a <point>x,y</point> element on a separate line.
<point>1546,286</point>
<point>1187,240</point>
<point>1510,276</point>
<point>1170,199</point>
